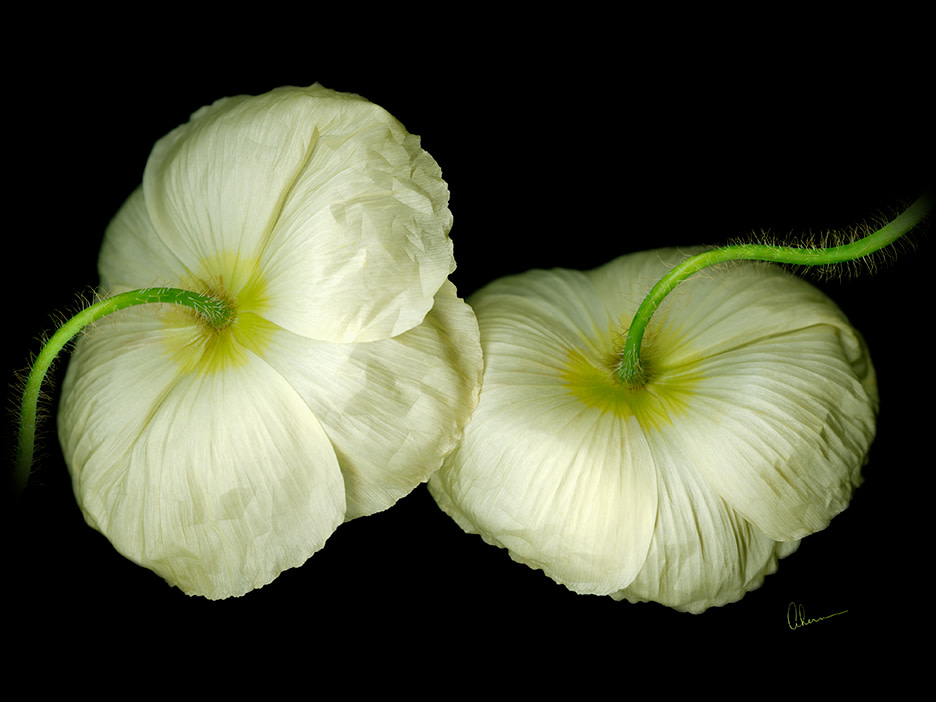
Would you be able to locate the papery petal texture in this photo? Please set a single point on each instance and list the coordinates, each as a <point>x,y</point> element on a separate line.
<point>344,212</point>
<point>219,457</point>
<point>778,368</point>
<point>750,434</point>
<point>529,474</point>
<point>395,408</point>
<point>218,481</point>
<point>702,553</point>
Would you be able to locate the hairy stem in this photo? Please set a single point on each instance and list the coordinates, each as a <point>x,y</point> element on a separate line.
<point>217,313</point>
<point>632,373</point>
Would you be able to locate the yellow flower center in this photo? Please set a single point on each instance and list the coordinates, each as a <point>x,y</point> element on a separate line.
<point>203,348</point>
<point>590,377</point>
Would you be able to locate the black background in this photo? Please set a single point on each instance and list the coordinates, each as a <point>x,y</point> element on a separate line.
<point>564,144</point>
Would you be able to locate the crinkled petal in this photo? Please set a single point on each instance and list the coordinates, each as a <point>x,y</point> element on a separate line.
<point>575,498</point>
<point>703,553</point>
<point>133,255</point>
<point>392,408</point>
<point>750,434</point>
<point>735,304</point>
<point>565,487</point>
<point>218,481</point>
<point>781,428</point>
<point>784,396</point>
<point>325,193</point>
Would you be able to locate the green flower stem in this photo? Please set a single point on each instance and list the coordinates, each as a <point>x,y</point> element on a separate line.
<point>633,374</point>
<point>217,313</point>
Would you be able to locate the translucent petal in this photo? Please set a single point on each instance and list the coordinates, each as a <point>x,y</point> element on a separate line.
<point>784,396</point>
<point>703,553</point>
<point>328,196</point>
<point>781,428</point>
<point>362,238</point>
<point>565,487</point>
<point>133,255</point>
<point>723,307</point>
<point>750,434</point>
<point>217,481</point>
<point>392,408</point>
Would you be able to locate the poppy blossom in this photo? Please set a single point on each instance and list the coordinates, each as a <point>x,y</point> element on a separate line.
<point>749,434</point>
<point>219,455</point>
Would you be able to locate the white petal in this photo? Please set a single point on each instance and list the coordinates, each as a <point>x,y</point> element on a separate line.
<point>325,193</point>
<point>723,307</point>
<point>362,238</point>
<point>133,255</point>
<point>750,434</point>
<point>565,487</point>
<point>784,396</point>
<point>393,408</point>
<point>217,481</point>
<point>781,428</point>
<point>703,554</point>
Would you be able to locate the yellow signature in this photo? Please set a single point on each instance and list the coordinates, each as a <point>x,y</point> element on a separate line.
<point>796,616</point>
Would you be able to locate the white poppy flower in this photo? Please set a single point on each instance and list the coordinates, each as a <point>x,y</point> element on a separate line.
<point>750,434</point>
<point>221,457</point>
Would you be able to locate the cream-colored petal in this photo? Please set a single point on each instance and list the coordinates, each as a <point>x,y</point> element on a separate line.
<point>572,495</point>
<point>392,408</point>
<point>782,399</point>
<point>324,193</point>
<point>563,486</point>
<point>363,236</point>
<point>218,182</point>
<point>781,428</point>
<point>750,434</point>
<point>133,255</point>
<point>735,304</point>
<point>703,553</point>
<point>779,395</point>
<point>217,481</point>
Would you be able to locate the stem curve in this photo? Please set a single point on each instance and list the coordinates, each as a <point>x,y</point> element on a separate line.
<point>631,372</point>
<point>218,313</point>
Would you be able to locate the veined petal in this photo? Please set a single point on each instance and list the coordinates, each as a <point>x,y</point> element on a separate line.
<point>216,480</point>
<point>703,554</point>
<point>781,428</point>
<point>345,216</point>
<point>133,255</point>
<point>217,182</point>
<point>575,498</point>
<point>738,303</point>
<point>783,392</point>
<point>363,236</point>
<point>750,433</point>
<point>392,408</point>
<point>566,487</point>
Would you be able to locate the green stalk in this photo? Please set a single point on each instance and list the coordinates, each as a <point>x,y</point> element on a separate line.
<point>633,374</point>
<point>217,313</point>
